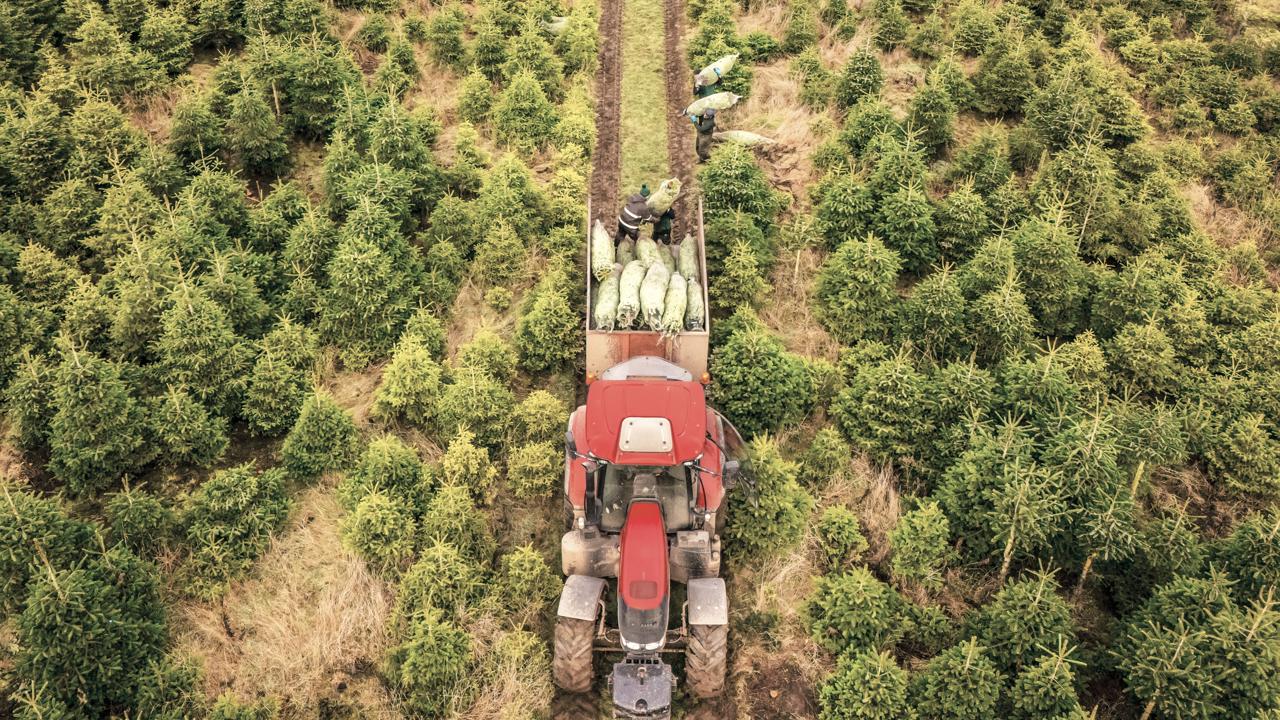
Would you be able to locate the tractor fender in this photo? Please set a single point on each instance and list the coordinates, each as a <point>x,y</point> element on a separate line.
<point>580,598</point>
<point>708,602</point>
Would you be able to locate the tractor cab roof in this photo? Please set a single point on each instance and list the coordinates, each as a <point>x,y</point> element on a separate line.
<point>646,421</point>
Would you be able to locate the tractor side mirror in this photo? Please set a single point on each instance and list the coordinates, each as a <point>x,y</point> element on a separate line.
<point>731,470</point>
<point>570,444</point>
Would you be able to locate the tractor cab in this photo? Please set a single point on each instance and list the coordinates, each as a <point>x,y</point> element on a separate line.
<point>647,468</point>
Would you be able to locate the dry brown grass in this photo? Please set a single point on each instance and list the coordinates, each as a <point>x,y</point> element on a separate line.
<point>1227,226</point>
<point>789,311</point>
<point>353,391</point>
<point>878,509</point>
<point>310,620</point>
<point>506,689</point>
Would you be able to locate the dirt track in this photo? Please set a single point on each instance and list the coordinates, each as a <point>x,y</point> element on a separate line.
<point>606,159</point>
<point>679,94</point>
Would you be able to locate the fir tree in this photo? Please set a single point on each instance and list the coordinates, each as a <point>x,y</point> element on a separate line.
<point>381,530</point>
<point>324,438</point>
<point>1047,688</point>
<point>905,221</point>
<point>167,36</point>
<point>1001,325</point>
<point>921,546</point>
<point>862,77</point>
<point>367,301</point>
<point>198,350</point>
<point>739,282</point>
<point>776,521</point>
<point>933,317</point>
<point>880,411</point>
<point>444,35</point>
<point>410,384</point>
<point>254,135</point>
<point>475,97</point>
<point>430,664</point>
<point>549,333</point>
<point>96,433</point>
<point>475,401</point>
<point>959,684</point>
<point>865,685</point>
<point>1021,624</point>
<point>932,114</point>
<point>761,385</point>
<point>499,256</point>
<point>523,115</point>
<point>228,522</point>
<point>530,52</point>
<point>388,466</point>
<point>855,290</point>
<point>185,432</point>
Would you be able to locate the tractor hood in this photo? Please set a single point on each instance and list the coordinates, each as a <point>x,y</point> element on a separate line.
<point>653,422</point>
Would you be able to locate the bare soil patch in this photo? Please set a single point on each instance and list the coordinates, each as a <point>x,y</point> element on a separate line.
<point>606,159</point>
<point>678,80</point>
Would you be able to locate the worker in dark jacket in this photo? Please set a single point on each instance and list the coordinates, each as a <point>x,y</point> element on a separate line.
<point>635,212</point>
<point>662,226</point>
<point>706,127</point>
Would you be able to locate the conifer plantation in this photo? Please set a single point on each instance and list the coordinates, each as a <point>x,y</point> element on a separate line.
<point>292,322</point>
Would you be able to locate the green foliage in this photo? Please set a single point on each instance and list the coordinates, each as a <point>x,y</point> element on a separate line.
<point>227,523</point>
<point>802,28</point>
<point>777,519</point>
<point>1047,688</point>
<point>445,35</point>
<point>865,686</point>
<point>535,470</point>
<point>323,439</point>
<point>452,518</point>
<point>1246,456</point>
<point>1250,555</point>
<point>855,291</point>
<point>732,181</point>
<point>367,300</point>
<point>432,661</point>
<point>526,584</point>
<point>932,113</point>
<point>757,382</point>
<point>891,23</point>
<point>539,418</point>
<point>281,378</point>
<point>254,136</point>
<point>228,707</point>
<point>879,411</point>
<point>390,467</point>
<point>549,332</point>
<point>488,353</point>
<point>1023,622</point>
<point>525,119</point>
<point>921,543</point>
<point>499,256</point>
<point>852,610</point>
<point>905,221</point>
<point>138,520</point>
<point>478,402</point>
<point>1002,326</point>
<point>861,77</point>
<point>441,580</point>
<point>381,530</point>
<point>840,537</point>
<point>961,683</point>
<point>109,612</point>
<point>740,282</point>
<point>29,525</point>
<point>96,433</point>
<point>411,384</point>
<point>467,466</point>
<point>184,431</point>
<point>826,460</point>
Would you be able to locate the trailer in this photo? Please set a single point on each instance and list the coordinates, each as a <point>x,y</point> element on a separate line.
<point>687,349</point>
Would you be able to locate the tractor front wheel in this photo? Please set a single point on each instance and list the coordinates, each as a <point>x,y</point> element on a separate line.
<point>706,658</point>
<point>571,662</point>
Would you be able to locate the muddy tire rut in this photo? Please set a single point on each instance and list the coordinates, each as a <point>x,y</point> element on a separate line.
<point>606,160</point>
<point>678,80</point>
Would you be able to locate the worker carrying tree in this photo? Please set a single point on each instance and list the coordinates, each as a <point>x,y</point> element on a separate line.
<point>633,213</point>
<point>706,127</point>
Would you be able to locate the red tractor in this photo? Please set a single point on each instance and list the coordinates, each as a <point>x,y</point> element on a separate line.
<point>647,468</point>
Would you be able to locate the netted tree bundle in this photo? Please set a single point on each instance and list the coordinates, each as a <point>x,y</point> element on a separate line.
<point>601,251</point>
<point>718,101</point>
<point>743,137</point>
<point>711,74</point>
<point>674,305</point>
<point>625,253</point>
<point>688,254</point>
<point>653,294</point>
<point>647,252</point>
<point>629,293</point>
<point>695,308</point>
<point>662,200</point>
<point>608,291</point>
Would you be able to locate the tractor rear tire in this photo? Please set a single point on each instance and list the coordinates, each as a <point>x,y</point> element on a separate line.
<point>706,659</point>
<point>571,664</point>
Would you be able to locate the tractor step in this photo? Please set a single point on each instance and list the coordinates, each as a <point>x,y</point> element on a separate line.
<point>642,689</point>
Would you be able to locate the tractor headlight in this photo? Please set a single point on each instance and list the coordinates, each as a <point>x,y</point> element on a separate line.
<point>641,647</point>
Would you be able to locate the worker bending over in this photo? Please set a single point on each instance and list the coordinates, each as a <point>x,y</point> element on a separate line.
<point>633,213</point>
<point>706,127</point>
